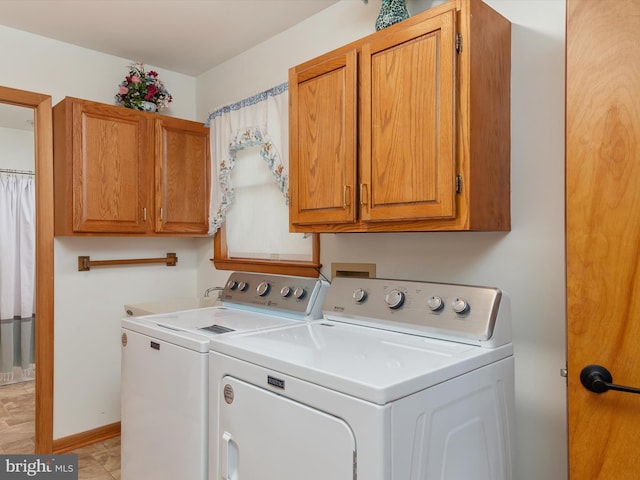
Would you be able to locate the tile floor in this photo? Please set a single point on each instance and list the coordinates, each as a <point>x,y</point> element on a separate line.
<point>99,461</point>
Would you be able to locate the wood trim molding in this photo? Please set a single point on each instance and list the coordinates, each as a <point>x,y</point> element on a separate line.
<point>82,439</point>
<point>222,261</point>
<point>43,138</point>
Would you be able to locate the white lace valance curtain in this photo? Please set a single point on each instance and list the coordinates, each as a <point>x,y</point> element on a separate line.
<point>261,120</point>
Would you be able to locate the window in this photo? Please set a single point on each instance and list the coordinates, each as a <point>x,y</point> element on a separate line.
<point>255,235</point>
<point>249,190</point>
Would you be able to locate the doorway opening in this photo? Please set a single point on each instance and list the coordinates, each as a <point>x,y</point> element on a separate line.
<point>43,167</point>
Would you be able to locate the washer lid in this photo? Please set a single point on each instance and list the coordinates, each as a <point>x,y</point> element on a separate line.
<point>202,323</point>
<point>368,363</point>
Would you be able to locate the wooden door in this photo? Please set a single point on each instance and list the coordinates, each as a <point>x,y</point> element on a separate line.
<point>111,169</point>
<point>183,176</point>
<point>603,234</point>
<point>407,160</point>
<point>323,141</point>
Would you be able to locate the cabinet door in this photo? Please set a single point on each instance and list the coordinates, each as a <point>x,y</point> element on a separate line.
<point>182,176</point>
<point>407,161</point>
<point>111,182</point>
<point>322,139</point>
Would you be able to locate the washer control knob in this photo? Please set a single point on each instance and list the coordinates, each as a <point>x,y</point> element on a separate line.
<point>460,305</point>
<point>285,292</point>
<point>263,288</point>
<point>232,284</point>
<point>359,295</point>
<point>299,292</point>
<point>242,286</point>
<point>394,299</point>
<point>435,303</point>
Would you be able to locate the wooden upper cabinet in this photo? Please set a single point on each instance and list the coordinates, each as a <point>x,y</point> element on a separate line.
<point>407,162</point>
<point>183,170</point>
<point>430,139</point>
<point>324,140</point>
<point>101,158</point>
<point>116,171</point>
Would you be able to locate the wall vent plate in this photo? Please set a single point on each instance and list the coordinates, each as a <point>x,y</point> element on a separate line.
<point>356,270</point>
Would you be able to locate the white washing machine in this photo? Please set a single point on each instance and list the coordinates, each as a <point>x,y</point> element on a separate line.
<point>165,364</point>
<point>401,380</point>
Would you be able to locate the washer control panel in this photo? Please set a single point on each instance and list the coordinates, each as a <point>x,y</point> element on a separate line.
<point>449,311</point>
<point>296,296</point>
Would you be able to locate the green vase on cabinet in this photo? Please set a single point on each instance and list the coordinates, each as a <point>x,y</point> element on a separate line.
<point>391,12</point>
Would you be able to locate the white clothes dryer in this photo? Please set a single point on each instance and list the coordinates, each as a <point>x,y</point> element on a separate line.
<point>401,380</point>
<point>165,365</point>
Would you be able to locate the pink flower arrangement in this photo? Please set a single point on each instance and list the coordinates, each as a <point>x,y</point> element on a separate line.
<point>139,87</point>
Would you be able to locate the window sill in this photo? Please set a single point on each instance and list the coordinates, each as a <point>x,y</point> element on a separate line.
<point>222,261</point>
<point>262,266</point>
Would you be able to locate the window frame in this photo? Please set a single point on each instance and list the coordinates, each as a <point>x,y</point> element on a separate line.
<point>222,261</point>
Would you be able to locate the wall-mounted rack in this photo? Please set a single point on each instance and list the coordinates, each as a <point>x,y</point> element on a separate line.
<point>85,263</point>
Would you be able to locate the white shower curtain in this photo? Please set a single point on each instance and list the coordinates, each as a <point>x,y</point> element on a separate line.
<point>17,277</point>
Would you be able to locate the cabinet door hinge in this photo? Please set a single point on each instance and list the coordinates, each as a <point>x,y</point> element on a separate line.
<point>459,183</point>
<point>459,43</point>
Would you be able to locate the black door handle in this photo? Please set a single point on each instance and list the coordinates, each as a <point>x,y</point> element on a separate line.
<point>598,379</point>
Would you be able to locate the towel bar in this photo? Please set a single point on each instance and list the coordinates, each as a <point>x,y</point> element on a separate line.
<point>85,263</point>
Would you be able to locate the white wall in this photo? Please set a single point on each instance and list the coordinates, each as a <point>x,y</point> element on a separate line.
<point>16,149</point>
<point>528,262</point>
<point>88,308</point>
<point>39,64</point>
<point>88,305</point>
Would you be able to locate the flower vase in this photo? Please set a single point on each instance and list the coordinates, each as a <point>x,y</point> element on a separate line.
<point>391,11</point>
<point>148,106</point>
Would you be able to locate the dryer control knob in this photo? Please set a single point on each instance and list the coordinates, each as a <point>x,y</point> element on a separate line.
<point>242,286</point>
<point>460,305</point>
<point>435,303</point>
<point>359,295</point>
<point>232,284</point>
<point>394,299</point>
<point>285,291</point>
<point>263,288</point>
<point>299,293</point>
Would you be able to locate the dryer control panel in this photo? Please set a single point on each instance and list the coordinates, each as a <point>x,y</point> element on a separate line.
<point>464,313</point>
